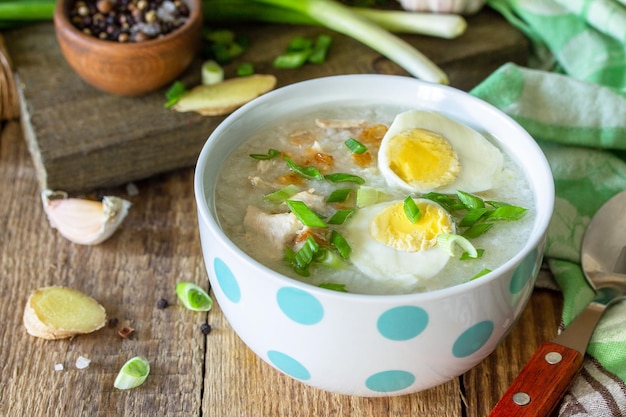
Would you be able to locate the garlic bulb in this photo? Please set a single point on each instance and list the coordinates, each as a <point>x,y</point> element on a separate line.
<point>465,7</point>
<point>85,222</point>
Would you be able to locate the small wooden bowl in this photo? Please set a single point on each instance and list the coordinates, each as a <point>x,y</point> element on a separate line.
<point>131,68</point>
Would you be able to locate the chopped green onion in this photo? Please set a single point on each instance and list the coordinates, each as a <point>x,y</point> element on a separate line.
<point>481,273</point>
<point>366,196</point>
<point>193,297</point>
<point>340,216</point>
<point>308,172</point>
<point>174,93</point>
<point>320,49</point>
<point>245,69</point>
<point>299,43</point>
<point>212,72</point>
<point>290,258</point>
<point>449,203</point>
<point>333,286</point>
<point>466,255</point>
<point>306,253</point>
<point>133,373</point>
<point>271,153</point>
<point>336,16</point>
<point>223,45</point>
<point>355,146</point>
<point>291,60</point>
<point>448,241</point>
<point>340,177</point>
<point>342,245</point>
<point>470,201</point>
<point>329,258</point>
<point>473,216</point>
<point>306,216</point>
<point>412,210</point>
<point>507,213</point>
<point>279,196</point>
<point>496,204</point>
<point>477,230</point>
<point>339,196</point>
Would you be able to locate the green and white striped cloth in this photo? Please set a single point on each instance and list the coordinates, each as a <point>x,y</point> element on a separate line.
<point>566,39</point>
<point>573,102</point>
<point>581,128</point>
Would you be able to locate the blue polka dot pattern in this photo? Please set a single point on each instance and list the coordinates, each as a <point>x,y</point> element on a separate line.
<point>472,339</point>
<point>390,381</point>
<point>299,305</point>
<point>402,323</point>
<point>288,365</point>
<point>227,281</point>
<point>523,272</point>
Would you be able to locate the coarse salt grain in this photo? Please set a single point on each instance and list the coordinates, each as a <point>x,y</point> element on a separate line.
<point>82,362</point>
<point>58,367</point>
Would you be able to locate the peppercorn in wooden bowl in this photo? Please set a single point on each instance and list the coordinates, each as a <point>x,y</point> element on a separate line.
<point>128,47</point>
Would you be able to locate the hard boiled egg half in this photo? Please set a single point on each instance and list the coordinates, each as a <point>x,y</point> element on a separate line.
<point>385,243</point>
<point>427,151</point>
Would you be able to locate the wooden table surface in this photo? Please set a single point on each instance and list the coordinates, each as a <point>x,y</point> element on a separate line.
<point>192,374</point>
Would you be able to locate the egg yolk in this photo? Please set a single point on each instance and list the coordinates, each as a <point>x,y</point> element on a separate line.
<point>423,159</point>
<point>392,227</point>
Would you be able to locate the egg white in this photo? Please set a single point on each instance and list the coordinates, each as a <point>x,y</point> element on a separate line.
<point>481,162</point>
<point>382,262</point>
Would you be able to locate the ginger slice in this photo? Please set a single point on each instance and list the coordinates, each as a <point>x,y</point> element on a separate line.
<point>224,97</point>
<point>59,312</point>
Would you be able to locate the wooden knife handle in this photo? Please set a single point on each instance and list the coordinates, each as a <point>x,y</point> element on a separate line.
<point>541,384</point>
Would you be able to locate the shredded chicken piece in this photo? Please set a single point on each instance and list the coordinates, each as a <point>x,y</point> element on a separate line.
<point>315,202</point>
<point>339,124</point>
<point>276,230</point>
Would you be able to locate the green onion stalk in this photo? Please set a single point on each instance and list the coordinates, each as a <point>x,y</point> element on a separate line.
<point>358,23</point>
<point>340,18</point>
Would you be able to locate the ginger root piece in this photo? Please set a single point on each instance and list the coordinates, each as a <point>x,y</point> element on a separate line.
<point>226,96</point>
<point>60,312</point>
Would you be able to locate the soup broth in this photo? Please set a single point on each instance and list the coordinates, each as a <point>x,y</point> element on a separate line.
<point>263,229</point>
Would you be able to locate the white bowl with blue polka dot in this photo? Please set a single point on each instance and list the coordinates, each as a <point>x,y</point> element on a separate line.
<point>368,345</point>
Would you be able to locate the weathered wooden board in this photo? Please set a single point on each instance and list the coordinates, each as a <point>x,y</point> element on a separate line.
<point>81,139</point>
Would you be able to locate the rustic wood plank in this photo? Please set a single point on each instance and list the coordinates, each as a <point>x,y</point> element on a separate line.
<point>81,139</point>
<point>157,247</point>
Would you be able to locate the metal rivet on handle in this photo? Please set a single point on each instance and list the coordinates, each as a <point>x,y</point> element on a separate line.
<point>553,357</point>
<point>521,398</point>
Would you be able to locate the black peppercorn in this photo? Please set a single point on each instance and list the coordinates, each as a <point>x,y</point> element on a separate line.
<point>205,328</point>
<point>128,20</point>
<point>162,304</point>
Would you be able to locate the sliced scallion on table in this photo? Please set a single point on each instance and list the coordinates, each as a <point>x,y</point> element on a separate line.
<point>193,297</point>
<point>174,93</point>
<point>133,373</point>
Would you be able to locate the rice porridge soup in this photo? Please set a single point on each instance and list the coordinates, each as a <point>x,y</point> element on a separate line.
<point>375,200</point>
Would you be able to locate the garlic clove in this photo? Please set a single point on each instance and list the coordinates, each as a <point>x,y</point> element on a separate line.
<point>82,221</point>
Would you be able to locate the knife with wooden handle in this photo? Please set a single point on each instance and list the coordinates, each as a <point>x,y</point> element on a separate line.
<point>543,381</point>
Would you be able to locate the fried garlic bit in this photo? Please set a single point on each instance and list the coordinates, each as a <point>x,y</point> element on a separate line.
<point>82,221</point>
